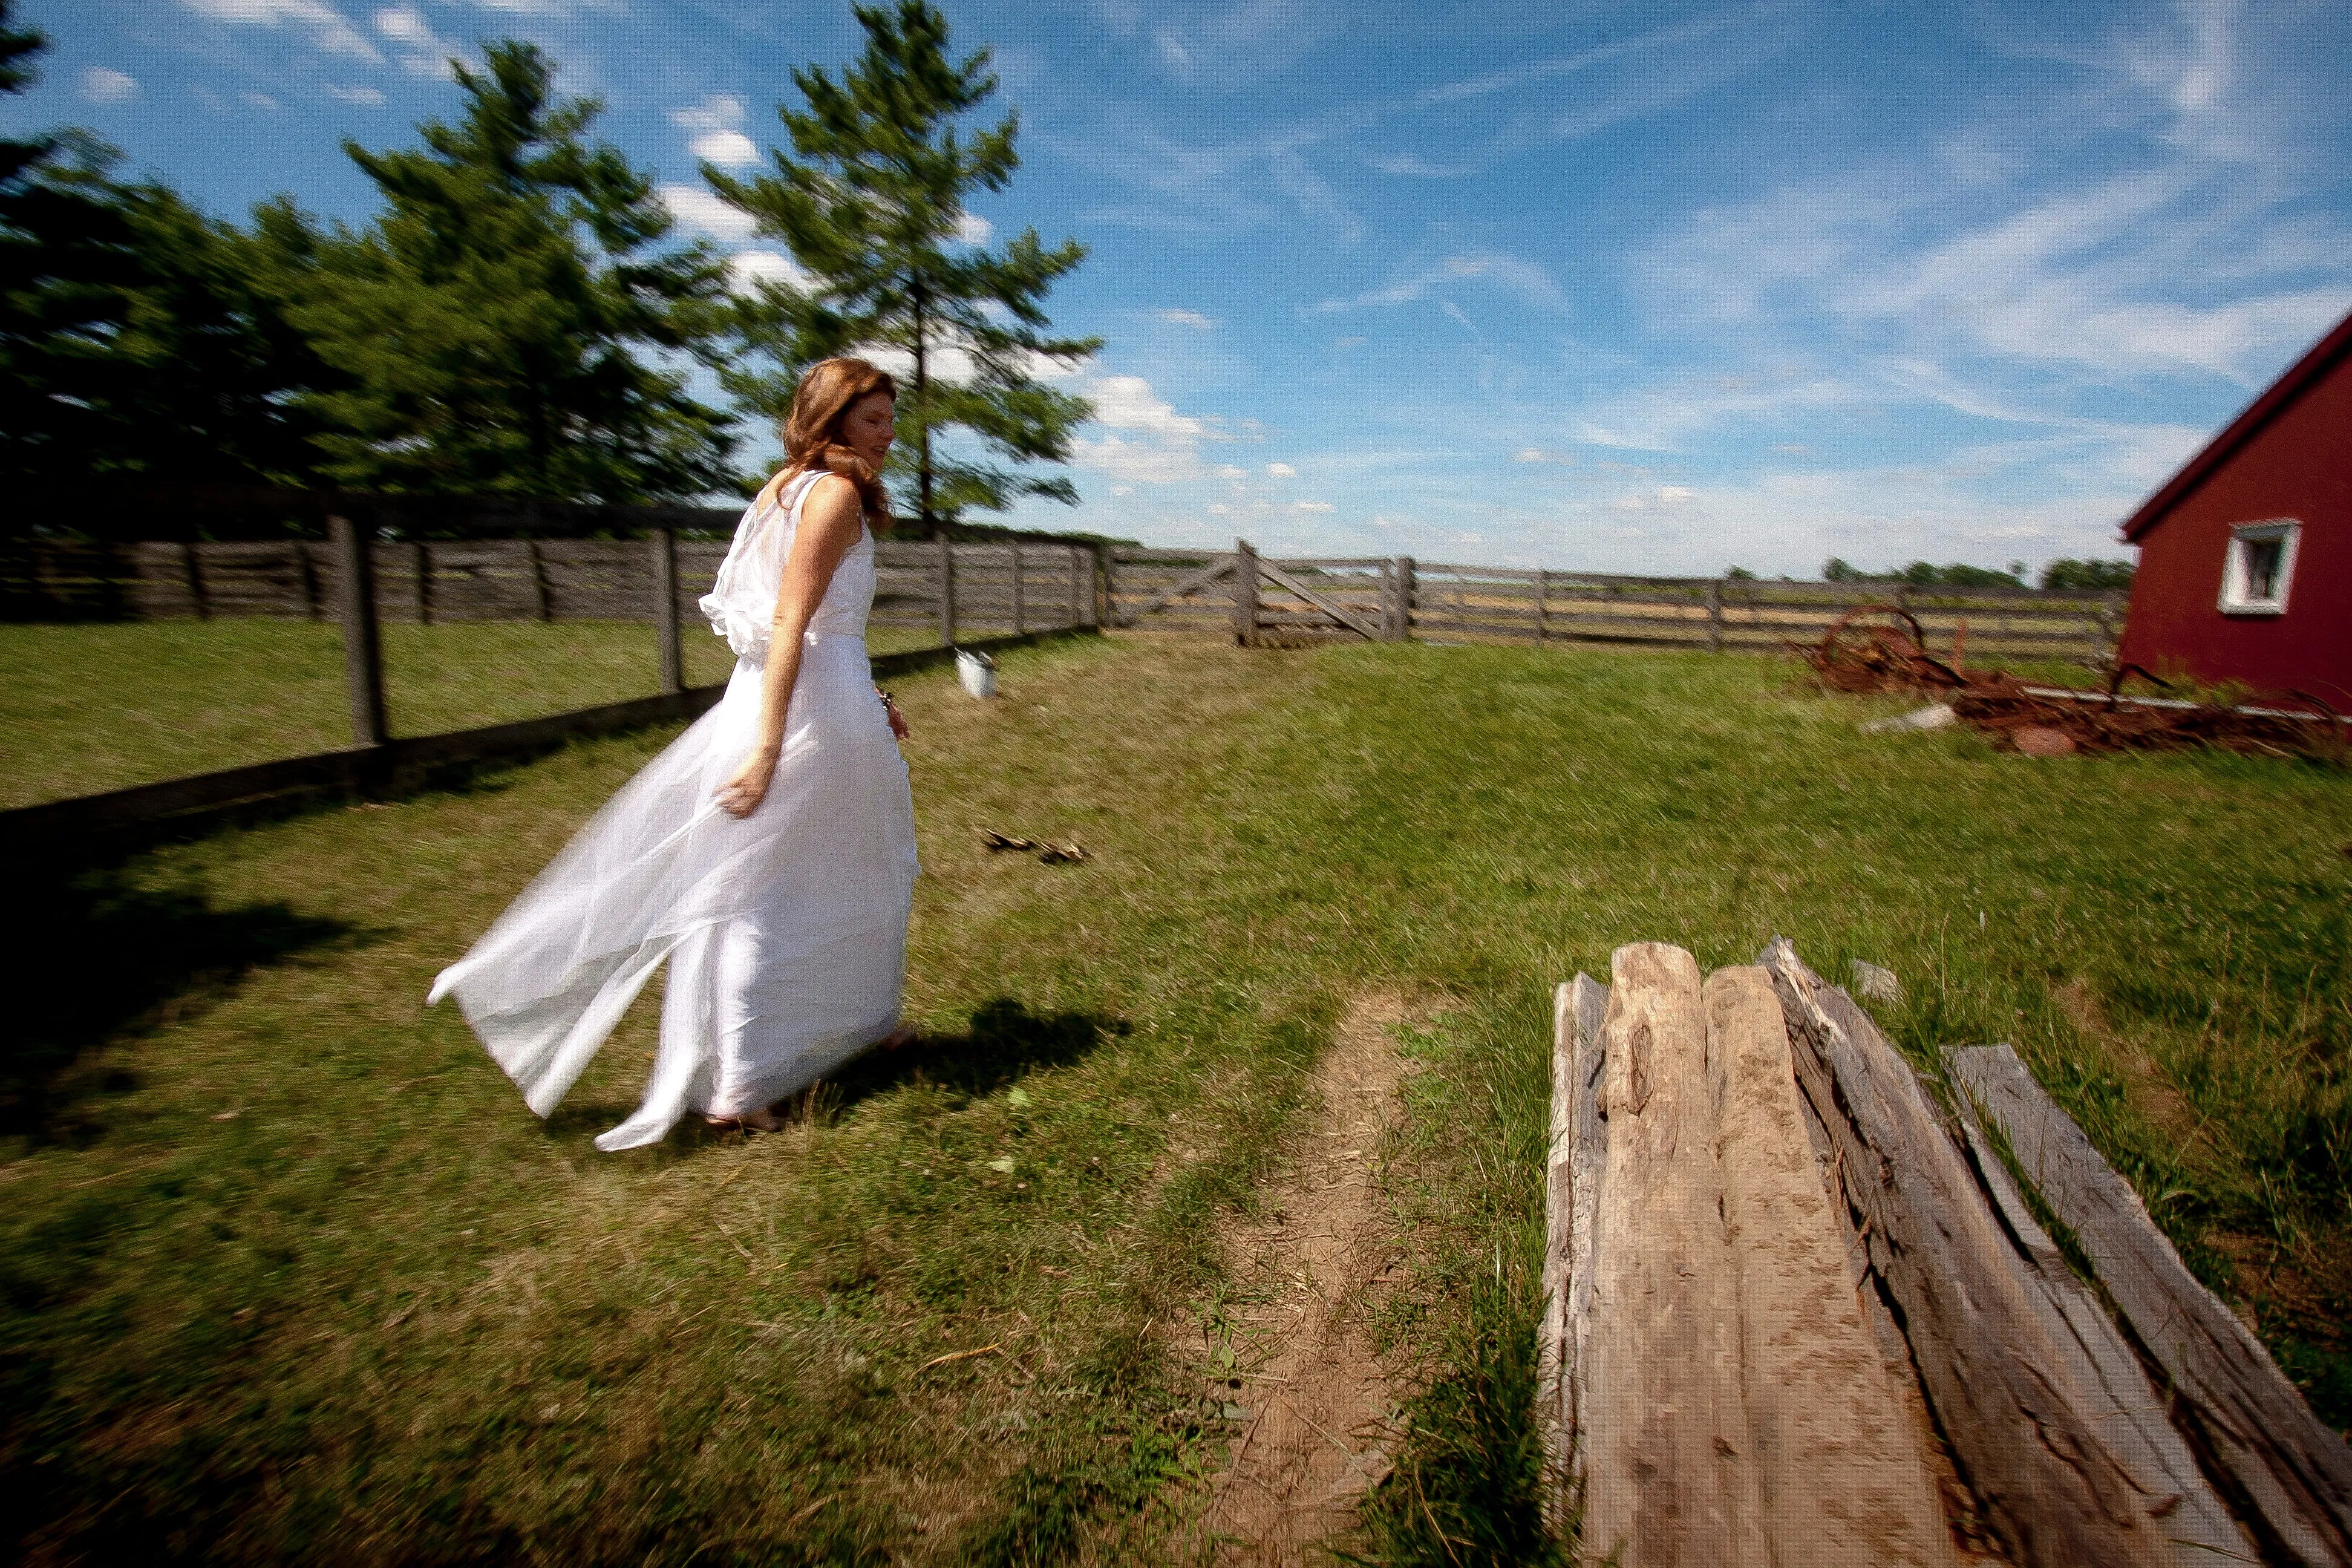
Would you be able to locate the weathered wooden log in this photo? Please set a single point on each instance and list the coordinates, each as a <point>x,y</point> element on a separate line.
<point>2131,1413</point>
<point>1572,1183</point>
<point>1670,1475</point>
<point>1842,1469</point>
<point>2050,1488</point>
<point>2291,1475</point>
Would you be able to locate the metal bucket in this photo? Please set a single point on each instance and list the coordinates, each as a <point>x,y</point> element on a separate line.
<point>976,673</point>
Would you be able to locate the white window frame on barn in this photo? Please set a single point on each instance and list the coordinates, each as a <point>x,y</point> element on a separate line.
<point>2242,569</point>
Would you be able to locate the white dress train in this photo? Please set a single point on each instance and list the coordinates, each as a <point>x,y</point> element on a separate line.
<point>785,931</point>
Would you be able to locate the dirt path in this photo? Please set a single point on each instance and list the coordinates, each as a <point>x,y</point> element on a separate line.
<point>1321,1427</point>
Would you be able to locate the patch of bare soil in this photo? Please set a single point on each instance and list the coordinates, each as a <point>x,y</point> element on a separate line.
<point>1319,1427</point>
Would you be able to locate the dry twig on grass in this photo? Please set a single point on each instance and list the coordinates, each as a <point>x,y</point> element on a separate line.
<point>1070,854</point>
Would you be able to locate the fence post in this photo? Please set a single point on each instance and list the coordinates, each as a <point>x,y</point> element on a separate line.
<point>1715,615</point>
<point>947,592</point>
<point>1543,606</point>
<point>1405,585</point>
<point>313,600</point>
<point>1020,609</point>
<point>542,603</point>
<point>1102,599</point>
<point>1070,561</point>
<point>196,582</point>
<point>673,653</point>
<point>1244,593</point>
<point>362,652</point>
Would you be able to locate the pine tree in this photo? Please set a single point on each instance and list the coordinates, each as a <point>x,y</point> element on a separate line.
<point>868,201</point>
<point>501,321</point>
<point>211,380</point>
<point>65,252</point>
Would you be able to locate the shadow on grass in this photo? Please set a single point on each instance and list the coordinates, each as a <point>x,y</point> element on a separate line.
<point>1004,1042</point>
<point>98,960</point>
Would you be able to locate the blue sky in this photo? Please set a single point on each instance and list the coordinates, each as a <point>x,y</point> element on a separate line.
<point>1643,288</point>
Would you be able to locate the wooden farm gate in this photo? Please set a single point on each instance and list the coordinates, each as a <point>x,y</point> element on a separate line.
<point>1256,598</point>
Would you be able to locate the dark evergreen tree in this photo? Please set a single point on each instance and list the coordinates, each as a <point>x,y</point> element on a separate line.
<point>210,381</point>
<point>65,252</point>
<point>869,201</point>
<point>139,337</point>
<point>504,325</point>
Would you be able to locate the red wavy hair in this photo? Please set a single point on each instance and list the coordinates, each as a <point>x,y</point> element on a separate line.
<point>813,430</point>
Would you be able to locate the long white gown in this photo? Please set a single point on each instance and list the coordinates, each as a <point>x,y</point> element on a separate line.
<point>786,930</point>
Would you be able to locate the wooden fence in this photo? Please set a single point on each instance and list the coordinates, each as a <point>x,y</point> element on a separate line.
<point>1397,598</point>
<point>1009,587</point>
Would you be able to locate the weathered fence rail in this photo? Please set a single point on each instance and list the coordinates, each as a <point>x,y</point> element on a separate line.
<point>1397,598</point>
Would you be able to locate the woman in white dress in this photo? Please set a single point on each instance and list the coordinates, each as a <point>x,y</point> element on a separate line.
<point>768,853</point>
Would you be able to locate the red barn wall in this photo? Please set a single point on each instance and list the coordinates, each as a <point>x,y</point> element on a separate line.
<point>2297,466</point>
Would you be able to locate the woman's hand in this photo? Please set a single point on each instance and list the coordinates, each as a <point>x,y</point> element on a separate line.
<point>741,795</point>
<point>897,719</point>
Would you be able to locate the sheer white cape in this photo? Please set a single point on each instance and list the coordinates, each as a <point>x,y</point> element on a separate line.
<point>788,927</point>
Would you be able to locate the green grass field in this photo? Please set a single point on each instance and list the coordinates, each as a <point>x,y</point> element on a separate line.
<point>93,707</point>
<point>290,1273</point>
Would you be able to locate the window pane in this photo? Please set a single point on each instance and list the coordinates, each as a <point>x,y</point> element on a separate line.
<point>2262,567</point>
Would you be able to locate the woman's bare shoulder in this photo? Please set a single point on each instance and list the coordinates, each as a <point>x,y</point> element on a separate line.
<point>832,508</point>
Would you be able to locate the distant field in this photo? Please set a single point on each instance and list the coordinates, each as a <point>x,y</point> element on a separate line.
<point>287,1272</point>
<point>86,708</point>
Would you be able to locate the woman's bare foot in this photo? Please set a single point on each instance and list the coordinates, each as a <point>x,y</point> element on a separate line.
<point>758,1119</point>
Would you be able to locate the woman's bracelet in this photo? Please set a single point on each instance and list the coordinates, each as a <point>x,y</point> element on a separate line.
<point>884,693</point>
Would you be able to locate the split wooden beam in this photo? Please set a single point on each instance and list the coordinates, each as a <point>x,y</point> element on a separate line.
<point>2025,1439</point>
<point>1722,1397</point>
<point>2290,1475</point>
<point>2129,1411</point>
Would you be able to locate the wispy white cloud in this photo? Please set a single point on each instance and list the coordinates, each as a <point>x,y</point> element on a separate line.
<point>1666,498</point>
<point>720,112</point>
<point>1516,275</point>
<point>1206,177</point>
<point>1407,164</point>
<point>1668,417</point>
<point>697,208</point>
<point>1280,471</point>
<point>1991,244</point>
<point>973,230</point>
<point>98,85</point>
<point>366,97</point>
<point>1195,319</point>
<point>1149,443</point>
<point>547,8</point>
<point>330,31</point>
<point>1222,45</point>
<point>748,267</point>
<point>423,51</point>
<point>727,149</point>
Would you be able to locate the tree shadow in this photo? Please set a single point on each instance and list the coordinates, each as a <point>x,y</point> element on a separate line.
<point>98,960</point>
